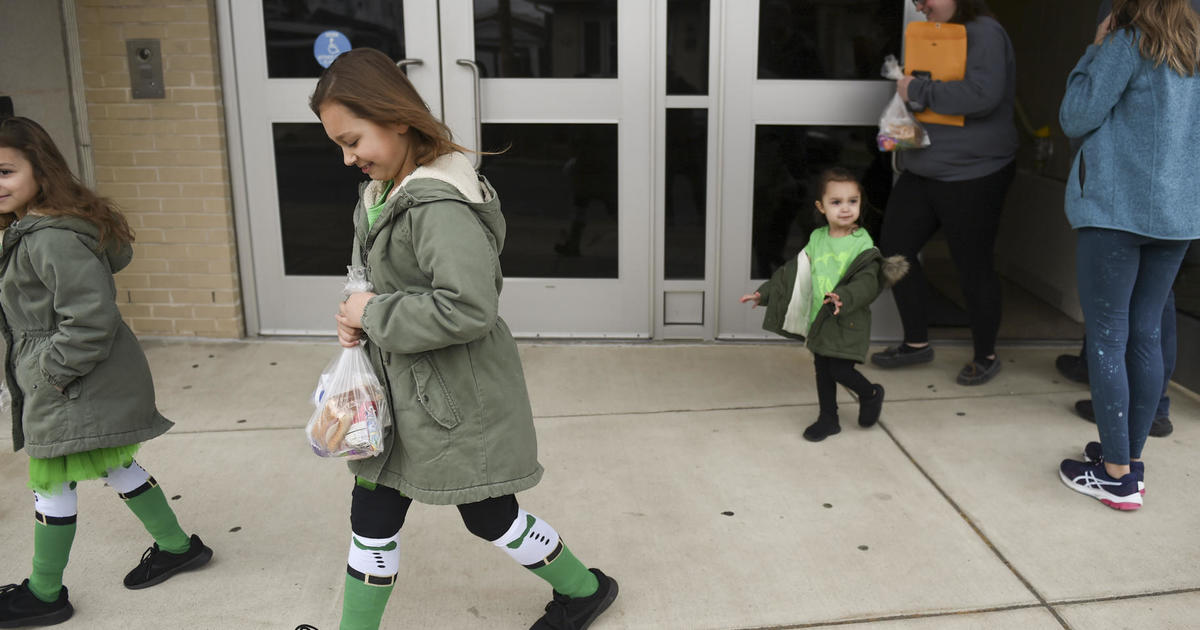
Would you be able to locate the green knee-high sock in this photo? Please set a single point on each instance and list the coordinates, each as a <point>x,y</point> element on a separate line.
<point>363,604</point>
<point>51,549</point>
<point>156,515</point>
<point>568,575</point>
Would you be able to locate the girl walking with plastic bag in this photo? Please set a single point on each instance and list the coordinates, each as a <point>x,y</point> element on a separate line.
<point>82,394</point>
<point>428,231</point>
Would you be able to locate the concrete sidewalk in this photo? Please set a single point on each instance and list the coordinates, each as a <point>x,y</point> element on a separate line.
<point>679,470</point>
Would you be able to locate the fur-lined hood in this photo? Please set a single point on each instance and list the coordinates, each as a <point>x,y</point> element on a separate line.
<point>893,268</point>
<point>449,177</point>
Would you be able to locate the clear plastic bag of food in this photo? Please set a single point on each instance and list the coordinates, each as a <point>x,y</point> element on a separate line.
<point>898,128</point>
<point>351,405</point>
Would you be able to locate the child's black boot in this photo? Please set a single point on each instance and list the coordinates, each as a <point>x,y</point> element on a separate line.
<point>577,613</point>
<point>870,408</point>
<point>20,608</point>
<point>824,427</point>
<point>158,565</point>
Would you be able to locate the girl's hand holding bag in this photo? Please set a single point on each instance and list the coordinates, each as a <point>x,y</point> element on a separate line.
<point>351,405</point>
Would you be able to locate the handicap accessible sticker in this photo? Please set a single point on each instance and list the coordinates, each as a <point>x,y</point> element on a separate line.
<point>328,46</point>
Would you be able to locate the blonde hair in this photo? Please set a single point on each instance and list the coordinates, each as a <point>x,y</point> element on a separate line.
<point>1170,31</point>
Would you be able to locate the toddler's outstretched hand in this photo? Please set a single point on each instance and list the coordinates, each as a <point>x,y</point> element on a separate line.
<point>755,297</point>
<point>832,298</point>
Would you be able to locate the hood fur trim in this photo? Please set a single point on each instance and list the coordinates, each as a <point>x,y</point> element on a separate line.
<point>894,269</point>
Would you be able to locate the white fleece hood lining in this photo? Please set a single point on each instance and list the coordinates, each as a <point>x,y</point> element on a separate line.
<point>453,168</point>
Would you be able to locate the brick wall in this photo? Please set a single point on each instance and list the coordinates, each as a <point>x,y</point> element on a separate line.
<point>164,162</point>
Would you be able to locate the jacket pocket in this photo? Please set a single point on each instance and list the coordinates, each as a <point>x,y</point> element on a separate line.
<point>432,393</point>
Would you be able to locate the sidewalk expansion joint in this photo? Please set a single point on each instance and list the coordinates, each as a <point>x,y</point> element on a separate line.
<point>975,527</point>
<point>651,412</point>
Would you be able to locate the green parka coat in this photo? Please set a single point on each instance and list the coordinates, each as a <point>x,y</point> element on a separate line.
<point>462,426</point>
<point>62,330</point>
<point>846,335</point>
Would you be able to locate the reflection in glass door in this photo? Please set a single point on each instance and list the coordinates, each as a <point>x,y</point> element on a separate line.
<point>558,89</point>
<point>561,90</point>
<point>802,94</point>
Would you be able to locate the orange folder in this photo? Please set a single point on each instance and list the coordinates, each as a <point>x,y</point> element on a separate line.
<point>939,48</point>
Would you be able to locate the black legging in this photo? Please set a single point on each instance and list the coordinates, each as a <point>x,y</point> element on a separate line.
<point>380,513</point>
<point>830,372</point>
<point>969,213</point>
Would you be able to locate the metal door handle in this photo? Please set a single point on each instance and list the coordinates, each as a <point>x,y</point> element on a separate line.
<point>478,119</point>
<point>409,62</point>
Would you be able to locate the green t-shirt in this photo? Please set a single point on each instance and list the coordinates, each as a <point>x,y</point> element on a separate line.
<point>374,211</point>
<point>830,257</point>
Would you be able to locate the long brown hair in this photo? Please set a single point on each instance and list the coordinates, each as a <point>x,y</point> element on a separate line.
<point>59,191</point>
<point>1170,31</point>
<point>370,85</point>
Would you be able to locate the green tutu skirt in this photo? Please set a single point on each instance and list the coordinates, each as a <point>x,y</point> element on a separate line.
<point>47,475</point>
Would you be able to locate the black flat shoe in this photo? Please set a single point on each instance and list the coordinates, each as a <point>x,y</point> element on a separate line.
<point>158,565</point>
<point>20,608</point>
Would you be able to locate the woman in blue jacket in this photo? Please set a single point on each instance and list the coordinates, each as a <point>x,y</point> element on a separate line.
<point>1132,196</point>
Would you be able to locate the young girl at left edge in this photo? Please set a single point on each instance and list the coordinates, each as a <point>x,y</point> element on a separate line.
<point>82,394</point>
<point>429,231</point>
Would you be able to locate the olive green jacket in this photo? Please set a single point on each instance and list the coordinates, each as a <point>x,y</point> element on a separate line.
<point>462,426</point>
<point>846,335</point>
<point>63,332</point>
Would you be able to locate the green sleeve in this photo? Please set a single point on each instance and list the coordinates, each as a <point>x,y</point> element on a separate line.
<point>83,300</point>
<point>861,290</point>
<point>453,251</point>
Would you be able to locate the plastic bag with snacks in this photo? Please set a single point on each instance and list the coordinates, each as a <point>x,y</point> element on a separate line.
<point>898,128</point>
<point>351,405</point>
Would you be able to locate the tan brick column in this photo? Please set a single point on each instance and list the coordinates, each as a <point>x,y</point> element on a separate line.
<point>164,162</point>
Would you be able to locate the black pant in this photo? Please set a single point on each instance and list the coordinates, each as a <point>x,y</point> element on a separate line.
<point>969,214</point>
<point>380,513</point>
<point>830,372</point>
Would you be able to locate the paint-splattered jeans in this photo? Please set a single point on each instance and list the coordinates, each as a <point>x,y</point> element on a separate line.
<point>1124,279</point>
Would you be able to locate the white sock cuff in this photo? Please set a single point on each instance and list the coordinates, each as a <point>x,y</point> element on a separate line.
<point>538,545</point>
<point>374,556</point>
<point>515,530</point>
<point>61,504</point>
<point>128,479</point>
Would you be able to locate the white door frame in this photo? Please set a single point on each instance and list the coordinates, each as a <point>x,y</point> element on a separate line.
<point>283,304</point>
<point>573,307</point>
<point>746,102</point>
<point>277,304</point>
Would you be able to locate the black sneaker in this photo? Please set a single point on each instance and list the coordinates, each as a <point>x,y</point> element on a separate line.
<point>305,626</point>
<point>1085,410</point>
<point>1073,367</point>
<point>870,408</point>
<point>577,613</point>
<point>20,608</point>
<point>976,373</point>
<point>902,355</point>
<point>1161,427</point>
<point>158,565</point>
<point>1094,453</point>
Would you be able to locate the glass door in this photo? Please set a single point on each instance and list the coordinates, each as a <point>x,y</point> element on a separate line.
<point>556,88</point>
<point>300,196</point>
<point>562,91</point>
<point>802,92</point>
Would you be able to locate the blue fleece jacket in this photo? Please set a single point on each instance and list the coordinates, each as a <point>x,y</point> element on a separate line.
<point>1137,170</point>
